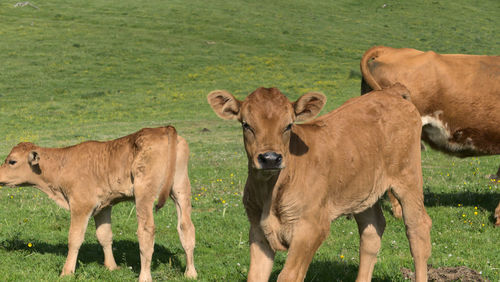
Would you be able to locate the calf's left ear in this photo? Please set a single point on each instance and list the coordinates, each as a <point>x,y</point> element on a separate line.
<point>308,106</point>
<point>33,158</point>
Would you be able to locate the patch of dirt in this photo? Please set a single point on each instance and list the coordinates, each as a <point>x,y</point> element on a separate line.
<point>441,274</point>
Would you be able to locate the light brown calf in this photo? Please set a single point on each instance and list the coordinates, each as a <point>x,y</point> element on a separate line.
<point>89,178</point>
<point>303,176</point>
<point>458,97</point>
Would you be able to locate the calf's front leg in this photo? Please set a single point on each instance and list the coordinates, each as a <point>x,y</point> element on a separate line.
<point>261,255</point>
<point>79,220</point>
<point>307,237</point>
<point>105,236</point>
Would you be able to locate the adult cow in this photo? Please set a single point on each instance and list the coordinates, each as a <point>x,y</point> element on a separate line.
<point>89,178</point>
<point>303,176</point>
<point>458,97</point>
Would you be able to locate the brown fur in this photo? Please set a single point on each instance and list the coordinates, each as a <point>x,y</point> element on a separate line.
<point>340,163</point>
<point>89,178</point>
<point>462,91</point>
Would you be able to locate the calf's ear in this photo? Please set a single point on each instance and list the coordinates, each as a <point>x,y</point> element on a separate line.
<point>308,106</point>
<point>224,104</point>
<point>33,158</point>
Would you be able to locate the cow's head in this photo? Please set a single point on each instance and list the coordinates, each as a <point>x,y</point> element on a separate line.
<point>267,118</point>
<point>21,166</point>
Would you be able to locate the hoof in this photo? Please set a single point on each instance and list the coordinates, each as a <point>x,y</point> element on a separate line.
<point>191,274</point>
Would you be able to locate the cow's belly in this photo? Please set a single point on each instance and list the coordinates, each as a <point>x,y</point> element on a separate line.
<point>437,133</point>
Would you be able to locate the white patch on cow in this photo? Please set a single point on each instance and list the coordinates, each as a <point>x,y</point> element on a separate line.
<point>436,130</point>
<point>438,133</point>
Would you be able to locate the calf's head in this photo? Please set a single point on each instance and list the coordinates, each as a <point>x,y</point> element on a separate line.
<point>267,118</point>
<point>21,166</point>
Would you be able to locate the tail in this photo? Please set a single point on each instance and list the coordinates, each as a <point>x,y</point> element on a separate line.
<point>171,161</point>
<point>368,83</point>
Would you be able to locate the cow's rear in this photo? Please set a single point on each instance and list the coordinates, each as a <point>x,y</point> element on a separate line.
<point>458,97</point>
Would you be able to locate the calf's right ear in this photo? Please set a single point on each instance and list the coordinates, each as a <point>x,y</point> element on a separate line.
<point>224,104</point>
<point>33,158</point>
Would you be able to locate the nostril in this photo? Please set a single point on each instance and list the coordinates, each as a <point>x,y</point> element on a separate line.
<point>278,159</point>
<point>262,158</point>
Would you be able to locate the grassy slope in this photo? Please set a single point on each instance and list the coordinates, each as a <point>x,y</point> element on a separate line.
<point>72,71</point>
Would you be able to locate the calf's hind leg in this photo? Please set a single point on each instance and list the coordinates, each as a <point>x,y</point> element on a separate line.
<point>105,236</point>
<point>371,225</point>
<point>418,226</point>
<point>181,195</point>
<point>145,229</point>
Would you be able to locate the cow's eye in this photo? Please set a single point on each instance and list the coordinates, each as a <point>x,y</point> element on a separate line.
<point>12,162</point>
<point>288,127</point>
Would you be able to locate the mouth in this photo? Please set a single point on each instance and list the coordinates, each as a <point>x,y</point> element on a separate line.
<point>13,185</point>
<point>269,169</point>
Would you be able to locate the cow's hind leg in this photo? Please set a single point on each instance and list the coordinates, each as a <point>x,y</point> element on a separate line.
<point>371,225</point>
<point>496,176</point>
<point>418,225</point>
<point>395,206</point>
<point>79,220</point>
<point>497,215</point>
<point>105,236</point>
<point>181,195</point>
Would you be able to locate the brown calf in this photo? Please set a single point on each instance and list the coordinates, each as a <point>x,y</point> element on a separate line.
<point>458,97</point>
<point>303,176</point>
<point>89,178</point>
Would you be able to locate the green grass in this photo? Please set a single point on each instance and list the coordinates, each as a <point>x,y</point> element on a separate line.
<point>79,70</point>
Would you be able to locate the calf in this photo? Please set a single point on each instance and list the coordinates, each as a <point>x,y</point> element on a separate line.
<point>89,178</point>
<point>458,97</point>
<point>303,176</point>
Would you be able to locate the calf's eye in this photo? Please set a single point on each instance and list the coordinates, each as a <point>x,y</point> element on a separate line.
<point>288,127</point>
<point>12,162</point>
<point>245,126</point>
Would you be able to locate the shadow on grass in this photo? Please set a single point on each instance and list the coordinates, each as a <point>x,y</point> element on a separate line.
<point>320,271</point>
<point>125,253</point>
<point>486,201</point>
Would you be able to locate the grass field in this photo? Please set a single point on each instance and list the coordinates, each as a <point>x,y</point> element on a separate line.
<point>77,70</point>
